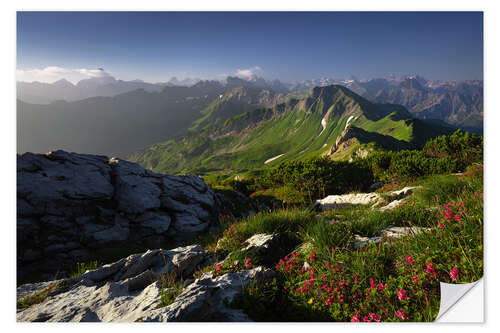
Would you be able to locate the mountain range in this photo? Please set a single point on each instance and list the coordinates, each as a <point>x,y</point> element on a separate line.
<point>46,93</point>
<point>144,114</point>
<point>458,103</point>
<point>332,121</point>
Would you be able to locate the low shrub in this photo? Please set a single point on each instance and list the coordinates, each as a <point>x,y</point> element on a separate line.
<point>389,281</point>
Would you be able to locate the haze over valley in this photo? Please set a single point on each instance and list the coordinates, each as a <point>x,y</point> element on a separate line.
<point>103,115</point>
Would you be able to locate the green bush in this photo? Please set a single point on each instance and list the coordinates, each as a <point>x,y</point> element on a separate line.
<point>319,176</point>
<point>444,154</point>
<point>312,178</point>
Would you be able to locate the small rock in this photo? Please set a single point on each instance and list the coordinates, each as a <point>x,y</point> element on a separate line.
<point>362,241</point>
<point>398,232</point>
<point>392,205</point>
<point>403,192</point>
<point>259,242</point>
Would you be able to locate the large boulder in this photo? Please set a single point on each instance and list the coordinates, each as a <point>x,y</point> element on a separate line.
<point>70,206</point>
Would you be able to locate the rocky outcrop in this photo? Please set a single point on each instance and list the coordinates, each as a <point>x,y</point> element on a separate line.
<point>207,298</point>
<point>390,232</point>
<point>70,205</point>
<point>375,199</point>
<point>130,290</point>
<point>334,201</point>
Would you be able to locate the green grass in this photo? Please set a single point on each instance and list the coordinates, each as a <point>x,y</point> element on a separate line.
<point>282,221</point>
<point>170,287</point>
<point>81,267</point>
<point>392,281</point>
<point>329,237</point>
<point>39,297</point>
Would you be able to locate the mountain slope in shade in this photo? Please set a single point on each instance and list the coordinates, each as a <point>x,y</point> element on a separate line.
<point>238,99</point>
<point>298,128</point>
<point>113,126</point>
<point>46,93</point>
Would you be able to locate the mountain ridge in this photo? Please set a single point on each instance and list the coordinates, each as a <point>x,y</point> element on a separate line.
<point>296,128</point>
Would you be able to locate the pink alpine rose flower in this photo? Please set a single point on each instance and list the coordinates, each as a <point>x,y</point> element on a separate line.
<point>430,269</point>
<point>374,316</point>
<point>454,274</point>
<point>402,295</point>
<point>372,284</point>
<point>409,259</point>
<point>356,318</point>
<point>401,314</point>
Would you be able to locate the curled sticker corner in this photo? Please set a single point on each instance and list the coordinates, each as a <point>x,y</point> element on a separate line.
<point>451,294</point>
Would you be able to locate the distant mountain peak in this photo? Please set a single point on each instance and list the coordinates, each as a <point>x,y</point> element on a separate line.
<point>63,83</point>
<point>412,82</point>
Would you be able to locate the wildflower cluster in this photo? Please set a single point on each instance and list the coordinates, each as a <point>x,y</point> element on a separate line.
<point>346,296</point>
<point>232,238</point>
<point>451,212</point>
<point>390,281</point>
<point>231,266</point>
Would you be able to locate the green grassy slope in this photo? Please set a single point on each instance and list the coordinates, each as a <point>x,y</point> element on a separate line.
<point>293,128</point>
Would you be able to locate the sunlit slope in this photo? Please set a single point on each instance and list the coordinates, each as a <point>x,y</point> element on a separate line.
<point>298,128</point>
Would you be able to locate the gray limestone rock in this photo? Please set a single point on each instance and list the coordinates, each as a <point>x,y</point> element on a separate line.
<point>79,202</point>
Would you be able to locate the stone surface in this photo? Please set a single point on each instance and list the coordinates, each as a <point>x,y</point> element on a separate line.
<point>125,290</point>
<point>392,205</point>
<point>403,193</point>
<point>70,204</point>
<point>128,290</point>
<point>390,232</point>
<point>259,242</point>
<point>362,241</point>
<point>205,299</point>
<point>334,201</point>
<point>397,232</point>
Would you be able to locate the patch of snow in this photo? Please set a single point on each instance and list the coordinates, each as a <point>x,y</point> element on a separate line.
<point>348,120</point>
<point>323,123</point>
<point>273,158</point>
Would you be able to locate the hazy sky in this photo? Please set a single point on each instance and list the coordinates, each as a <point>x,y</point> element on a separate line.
<point>154,46</point>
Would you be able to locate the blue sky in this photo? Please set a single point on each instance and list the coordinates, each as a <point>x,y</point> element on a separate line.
<point>154,46</point>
